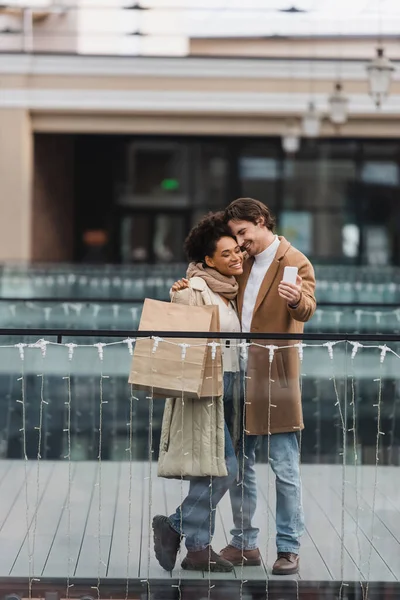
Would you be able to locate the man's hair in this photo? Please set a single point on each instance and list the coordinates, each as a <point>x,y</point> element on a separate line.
<point>203,238</point>
<point>248,209</point>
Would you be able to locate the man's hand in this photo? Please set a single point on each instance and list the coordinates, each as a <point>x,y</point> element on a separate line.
<point>180,285</point>
<point>291,292</point>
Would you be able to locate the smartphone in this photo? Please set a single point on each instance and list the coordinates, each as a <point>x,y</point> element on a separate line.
<point>290,274</point>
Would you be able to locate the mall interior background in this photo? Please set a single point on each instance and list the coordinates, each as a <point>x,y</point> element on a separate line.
<point>119,128</point>
<point>337,200</point>
<point>113,144</point>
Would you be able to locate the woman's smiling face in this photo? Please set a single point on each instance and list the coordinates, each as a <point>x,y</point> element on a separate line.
<point>227,258</point>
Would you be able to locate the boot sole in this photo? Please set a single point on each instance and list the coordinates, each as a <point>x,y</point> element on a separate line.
<point>293,571</point>
<point>189,566</point>
<point>248,563</point>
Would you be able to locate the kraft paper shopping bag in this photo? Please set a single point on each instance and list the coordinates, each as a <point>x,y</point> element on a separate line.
<point>164,372</point>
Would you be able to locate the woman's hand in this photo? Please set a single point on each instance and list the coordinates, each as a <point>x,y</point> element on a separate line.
<point>182,284</point>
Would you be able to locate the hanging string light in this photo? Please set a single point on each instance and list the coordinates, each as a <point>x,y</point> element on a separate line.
<point>338,105</point>
<point>311,123</point>
<point>338,101</point>
<point>291,134</point>
<point>380,69</point>
<point>291,138</point>
<point>380,72</point>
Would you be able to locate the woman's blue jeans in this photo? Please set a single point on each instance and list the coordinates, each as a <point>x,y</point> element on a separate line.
<point>195,517</point>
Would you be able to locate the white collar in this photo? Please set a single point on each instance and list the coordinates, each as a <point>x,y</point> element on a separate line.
<point>266,255</point>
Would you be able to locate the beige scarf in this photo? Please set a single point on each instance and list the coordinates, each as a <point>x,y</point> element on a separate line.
<point>220,284</point>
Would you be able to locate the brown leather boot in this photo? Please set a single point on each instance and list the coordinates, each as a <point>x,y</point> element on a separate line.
<point>204,560</point>
<point>249,558</point>
<point>287,563</point>
<point>166,542</point>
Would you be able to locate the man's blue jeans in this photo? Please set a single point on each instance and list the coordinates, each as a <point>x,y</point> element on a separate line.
<point>195,517</point>
<point>285,463</point>
<point>284,460</point>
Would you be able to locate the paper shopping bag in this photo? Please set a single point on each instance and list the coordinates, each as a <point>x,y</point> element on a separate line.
<point>212,384</point>
<point>164,372</point>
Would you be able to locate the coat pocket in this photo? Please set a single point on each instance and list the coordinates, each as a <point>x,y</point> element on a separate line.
<point>280,366</point>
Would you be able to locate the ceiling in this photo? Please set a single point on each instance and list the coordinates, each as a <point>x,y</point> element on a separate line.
<point>233,18</point>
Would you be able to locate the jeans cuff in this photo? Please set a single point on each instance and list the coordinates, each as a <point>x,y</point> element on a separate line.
<point>292,550</point>
<point>172,525</point>
<point>243,546</point>
<point>196,548</point>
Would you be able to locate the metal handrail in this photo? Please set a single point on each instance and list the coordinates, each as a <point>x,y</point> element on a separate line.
<point>129,333</point>
<point>94,300</point>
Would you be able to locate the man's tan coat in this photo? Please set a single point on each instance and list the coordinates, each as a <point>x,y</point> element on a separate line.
<point>273,390</point>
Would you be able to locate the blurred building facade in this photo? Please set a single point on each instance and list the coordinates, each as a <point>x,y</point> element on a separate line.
<point>112,158</point>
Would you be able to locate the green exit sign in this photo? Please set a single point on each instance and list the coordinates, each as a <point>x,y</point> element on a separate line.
<point>170,185</point>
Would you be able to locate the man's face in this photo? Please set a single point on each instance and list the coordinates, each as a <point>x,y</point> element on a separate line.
<point>249,236</point>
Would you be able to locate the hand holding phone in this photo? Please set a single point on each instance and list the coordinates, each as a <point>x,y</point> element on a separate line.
<point>289,288</point>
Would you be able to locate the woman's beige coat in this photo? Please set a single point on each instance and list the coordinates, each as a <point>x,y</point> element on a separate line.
<point>192,435</point>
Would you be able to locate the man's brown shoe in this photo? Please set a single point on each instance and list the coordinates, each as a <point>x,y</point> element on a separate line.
<point>249,558</point>
<point>206,560</point>
<point>287,563</point>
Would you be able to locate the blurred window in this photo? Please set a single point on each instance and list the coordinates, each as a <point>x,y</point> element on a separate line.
<point>156,175</point>
<point>259,168</point>
<point>384,173</point>
<point>210,168</point>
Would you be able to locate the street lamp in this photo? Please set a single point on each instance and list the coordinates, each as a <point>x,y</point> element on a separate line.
<point>291,138</point>
<point>380,71</point>
<point>311,122</point>
<point>338,103</point>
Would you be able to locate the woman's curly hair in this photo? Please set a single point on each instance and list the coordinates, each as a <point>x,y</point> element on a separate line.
<point>203,238</point>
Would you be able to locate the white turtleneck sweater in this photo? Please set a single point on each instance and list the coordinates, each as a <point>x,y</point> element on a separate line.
<point>262,262</point>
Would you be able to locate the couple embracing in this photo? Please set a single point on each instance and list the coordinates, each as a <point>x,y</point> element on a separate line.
<point>251,298</point>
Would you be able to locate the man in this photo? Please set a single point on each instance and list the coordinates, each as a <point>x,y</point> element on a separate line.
<point>273,399</point>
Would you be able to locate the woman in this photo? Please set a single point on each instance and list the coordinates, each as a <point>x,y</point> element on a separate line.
<point>215,261</point>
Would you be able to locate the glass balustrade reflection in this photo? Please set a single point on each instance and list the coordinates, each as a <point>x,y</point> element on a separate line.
<point>82,446</point>
<point>351,374</point>
<point>335,284</point>
<point>126,315</point>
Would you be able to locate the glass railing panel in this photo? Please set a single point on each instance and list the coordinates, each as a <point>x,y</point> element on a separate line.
<point>357,318</point>
<point>322,380</point>
<point>82,445</point>
<point>335,284</point>
<point>125,315</point>
<point>71,314</point>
